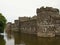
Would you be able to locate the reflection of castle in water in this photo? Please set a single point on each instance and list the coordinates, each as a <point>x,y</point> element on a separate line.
<point>25,39</point>
<point>45,24</point>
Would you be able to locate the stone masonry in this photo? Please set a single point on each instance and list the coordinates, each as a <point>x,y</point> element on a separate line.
<point>45,24</point>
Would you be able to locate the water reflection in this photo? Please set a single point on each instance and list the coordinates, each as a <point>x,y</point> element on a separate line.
<point>25,39</point>
<point>9,39</point>
<point>2,41</point>
<point>9,36</point>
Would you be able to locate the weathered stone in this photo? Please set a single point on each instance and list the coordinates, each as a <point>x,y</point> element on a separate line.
<point>8,27</point>
<point>45,24</point>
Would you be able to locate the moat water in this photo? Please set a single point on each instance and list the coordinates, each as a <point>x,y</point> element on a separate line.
<point>25,39</point>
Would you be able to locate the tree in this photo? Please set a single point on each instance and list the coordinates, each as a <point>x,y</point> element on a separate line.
<point>2,41</point>
<point>2,23</point>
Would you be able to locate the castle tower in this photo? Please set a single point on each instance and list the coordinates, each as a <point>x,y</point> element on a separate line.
<point>45,25</point>
<point>48,10</point>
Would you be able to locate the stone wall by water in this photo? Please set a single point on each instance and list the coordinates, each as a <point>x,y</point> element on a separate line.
<point>28,27</point>
<point>45,24</point>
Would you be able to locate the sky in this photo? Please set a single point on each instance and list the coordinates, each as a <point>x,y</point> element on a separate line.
<point>12,9</point>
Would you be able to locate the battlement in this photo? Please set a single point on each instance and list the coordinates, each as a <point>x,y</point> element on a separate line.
<point>16,21</point>
<point>47,9</point>
<point>27,18</point>
<point>23,18</point>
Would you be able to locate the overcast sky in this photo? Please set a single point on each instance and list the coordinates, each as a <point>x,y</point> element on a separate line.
<point>12,9</point>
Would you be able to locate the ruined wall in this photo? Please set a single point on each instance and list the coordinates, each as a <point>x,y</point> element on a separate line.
<point>8,27</point>
<point>28,26</point>
<point>57,24</point>
<point>45,24</point>
<point>15,26</point>
<point>48,10</point>
<point>24,19</point>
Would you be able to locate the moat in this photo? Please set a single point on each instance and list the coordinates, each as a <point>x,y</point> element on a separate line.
<point>26,39</point>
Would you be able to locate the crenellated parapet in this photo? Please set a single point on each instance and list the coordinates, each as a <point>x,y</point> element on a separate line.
<point>47,9</point>
<point>24,18</point>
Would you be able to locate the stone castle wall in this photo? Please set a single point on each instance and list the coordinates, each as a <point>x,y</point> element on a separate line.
<point>28,27</point>
<point>45,24</point>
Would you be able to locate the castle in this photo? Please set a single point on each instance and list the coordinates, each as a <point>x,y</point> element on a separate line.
<point>45,24</point>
